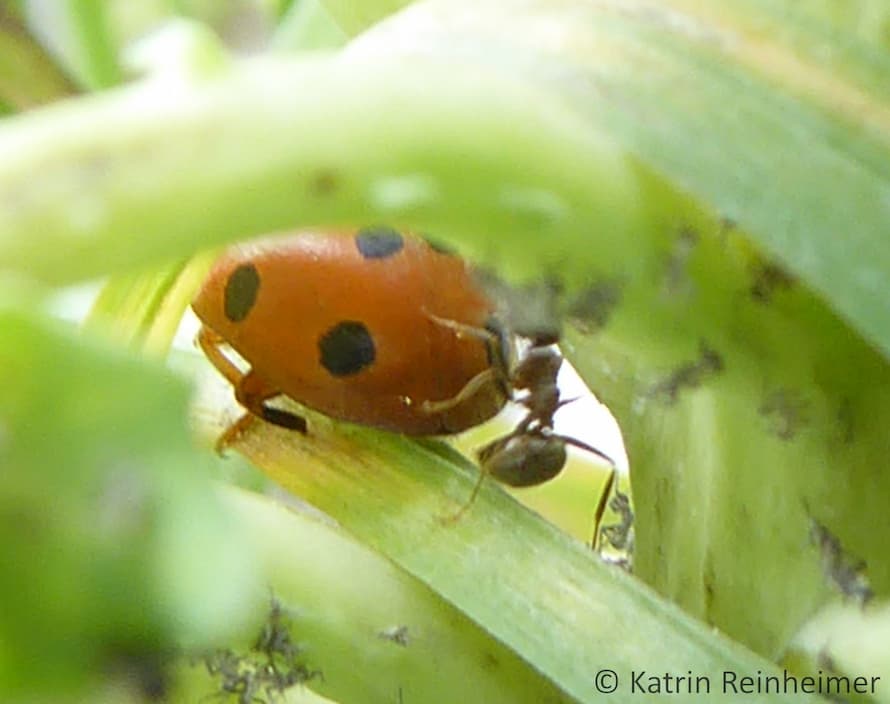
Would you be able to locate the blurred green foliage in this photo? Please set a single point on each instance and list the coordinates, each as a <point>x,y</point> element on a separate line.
<point>705,184</point>
<point>111,535</point>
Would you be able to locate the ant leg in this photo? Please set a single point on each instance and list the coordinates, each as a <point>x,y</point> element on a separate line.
<point>600,511</point>
<point>497,373</point>
<point>470,389</point>
<point>456,516</point>
<point>606,492</point>
<point>483,334</point>
<point>587,448</point>
<point>483,454</point>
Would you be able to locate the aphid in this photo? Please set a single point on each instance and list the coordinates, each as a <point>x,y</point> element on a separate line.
<point>618,537</point>
<point>270,668</point>
<point>845,572</point>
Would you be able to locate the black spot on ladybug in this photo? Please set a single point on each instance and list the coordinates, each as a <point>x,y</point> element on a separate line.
<point>379,242</point>
<point>241,292</point>
<point>346,348</point>
<point>438,246</point>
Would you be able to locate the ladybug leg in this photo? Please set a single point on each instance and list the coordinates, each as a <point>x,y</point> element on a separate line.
<point>233,432</point>
<point>210,342</point>
<point>251,391</point>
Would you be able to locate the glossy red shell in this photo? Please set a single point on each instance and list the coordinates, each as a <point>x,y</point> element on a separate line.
<point>299,288</point>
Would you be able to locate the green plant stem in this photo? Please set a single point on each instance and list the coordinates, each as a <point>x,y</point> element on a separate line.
<point>352,142</point>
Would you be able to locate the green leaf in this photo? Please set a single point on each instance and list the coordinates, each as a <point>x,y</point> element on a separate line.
<point>28,76</point>
<point>144,310</point>
<point>113,551</point>
<point>606,147</point>
<point>738,106</point>
<point>354,17</point>
<point>845,638</point>
<point>540,593</point>
<point>357,142</point>
<point>78,33</point>
<point>306,26</point>
<point>787,162</point>
<point>343,598</point>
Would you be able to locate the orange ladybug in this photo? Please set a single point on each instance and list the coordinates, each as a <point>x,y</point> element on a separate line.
<point>378,328</point>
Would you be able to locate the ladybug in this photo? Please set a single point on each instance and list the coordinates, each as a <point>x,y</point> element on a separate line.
<point>378,328</point>
<point>383,329</point>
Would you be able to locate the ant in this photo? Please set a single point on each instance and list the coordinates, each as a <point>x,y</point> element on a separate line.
<point>532,453</point>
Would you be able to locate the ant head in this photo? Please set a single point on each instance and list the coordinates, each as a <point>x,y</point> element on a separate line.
<point>524,459</point>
